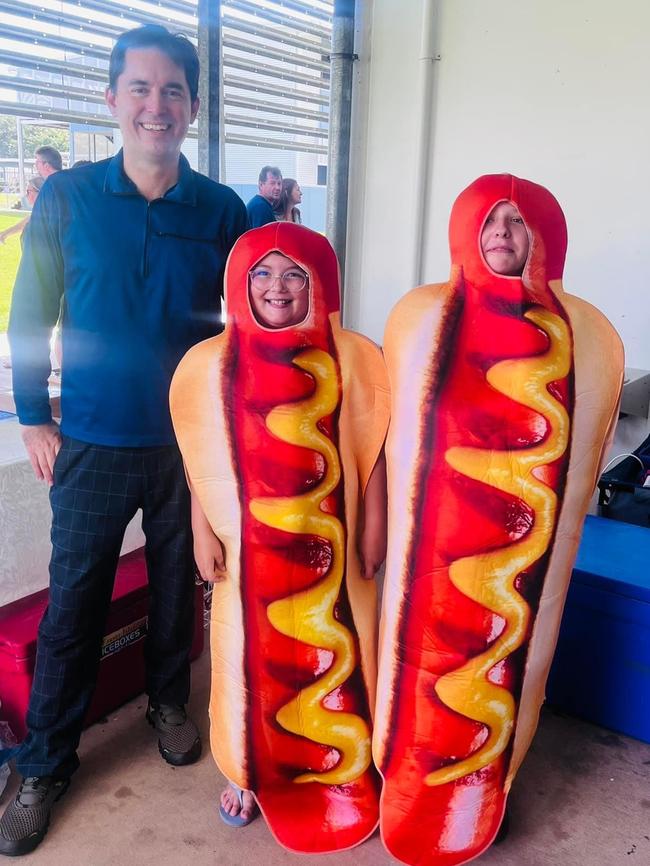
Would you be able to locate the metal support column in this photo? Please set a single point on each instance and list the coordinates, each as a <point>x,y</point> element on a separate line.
<point>209,14</point>
<point>338,162</point>
<point>21,157</point>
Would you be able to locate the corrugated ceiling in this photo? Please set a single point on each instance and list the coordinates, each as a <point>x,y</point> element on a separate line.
<point>275,62</point>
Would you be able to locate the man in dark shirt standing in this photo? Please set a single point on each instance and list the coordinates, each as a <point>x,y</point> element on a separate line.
<point>47,161</point>
<point>136,247</point>
<point>260,207</point>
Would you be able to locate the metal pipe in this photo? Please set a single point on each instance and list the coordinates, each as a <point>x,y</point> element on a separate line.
<point>210,90</point>
<point>342,58</point>
<point>428,58</point>
<point>303,8</point>
<point>235,137</point>
<point>21,156</point>
<point>275,108</point>
<point>79,20</point>
<point>130,16</point>
<point>61,67</point>
<point>58,115</point>
<point>264,14</point>
<point>277,35</point>
<point>46,88</point>
<point>41,112</point>
<point>273,89</point>
<point>270,52</point>
<point>274,126</point>
<point>277,73</point>
<point>61,43</point>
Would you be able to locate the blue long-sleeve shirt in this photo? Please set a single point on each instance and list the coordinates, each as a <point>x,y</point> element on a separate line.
<point>141,283</point>
<point>259,211</point>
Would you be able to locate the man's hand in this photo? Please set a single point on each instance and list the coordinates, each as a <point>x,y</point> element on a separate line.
<point>42,442</point>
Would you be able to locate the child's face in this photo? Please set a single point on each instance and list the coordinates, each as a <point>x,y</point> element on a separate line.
<point>279,292</point>
<point>504,240</point>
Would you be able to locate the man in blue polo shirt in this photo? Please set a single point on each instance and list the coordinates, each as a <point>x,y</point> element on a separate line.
<point>260,207</point>
<point>135,247</point>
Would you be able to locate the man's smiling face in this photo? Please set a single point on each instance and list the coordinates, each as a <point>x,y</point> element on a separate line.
<point>152,105</point>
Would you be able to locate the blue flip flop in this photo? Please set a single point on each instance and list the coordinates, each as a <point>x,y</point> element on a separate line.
<point>237,820</point>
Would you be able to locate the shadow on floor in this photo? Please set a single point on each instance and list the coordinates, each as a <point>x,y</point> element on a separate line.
<point>582,798</point>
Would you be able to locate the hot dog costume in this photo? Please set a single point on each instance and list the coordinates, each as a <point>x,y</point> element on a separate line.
<point>280,431</point>
<point>504,399</point>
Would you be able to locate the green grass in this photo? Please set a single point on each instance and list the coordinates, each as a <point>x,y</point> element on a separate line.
<point>9,258</point>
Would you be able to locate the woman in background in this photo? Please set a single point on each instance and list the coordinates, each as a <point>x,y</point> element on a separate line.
<point>33,188</point>
<point>287,209</point>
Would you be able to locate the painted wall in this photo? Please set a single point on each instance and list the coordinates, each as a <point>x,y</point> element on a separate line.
<point>553,91</point>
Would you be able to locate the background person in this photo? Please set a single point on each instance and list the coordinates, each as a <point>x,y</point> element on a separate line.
<point>136,246</point>
<point>261,207</point>
<point>33,189</point>
<point>47,162</point>
<point>291,197</point>
<point>34,186</point>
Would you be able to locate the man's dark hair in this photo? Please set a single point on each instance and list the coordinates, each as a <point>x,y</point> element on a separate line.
<point>177,47</point>
<point>272,170</point>
<point>50,155</point>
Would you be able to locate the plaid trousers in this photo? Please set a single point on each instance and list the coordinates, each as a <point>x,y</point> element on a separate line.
<point>97,489</point>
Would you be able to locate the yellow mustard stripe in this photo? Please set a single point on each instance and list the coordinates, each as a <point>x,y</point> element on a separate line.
<point>488,578</point>
<point>308,616</point>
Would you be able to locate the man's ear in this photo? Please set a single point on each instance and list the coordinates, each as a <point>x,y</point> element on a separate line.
<point>109,96</point>
<point>195,109</point>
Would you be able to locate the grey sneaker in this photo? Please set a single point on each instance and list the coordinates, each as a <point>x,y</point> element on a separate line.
<point>179,742</point>
<point>27,817</point>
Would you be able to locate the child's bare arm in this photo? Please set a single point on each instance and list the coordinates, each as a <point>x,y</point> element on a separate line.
<point>208,549</point>
<point>372,543</point>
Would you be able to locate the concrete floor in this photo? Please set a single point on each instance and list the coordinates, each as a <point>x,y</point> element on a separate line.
<point>582,798</point>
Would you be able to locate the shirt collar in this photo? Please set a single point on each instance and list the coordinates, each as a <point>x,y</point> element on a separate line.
<point>118,183</point>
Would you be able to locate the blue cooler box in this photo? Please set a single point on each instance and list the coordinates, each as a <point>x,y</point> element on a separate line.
<point>601,669</point>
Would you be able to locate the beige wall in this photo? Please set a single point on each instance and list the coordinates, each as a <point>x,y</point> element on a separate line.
<point>551,90</point>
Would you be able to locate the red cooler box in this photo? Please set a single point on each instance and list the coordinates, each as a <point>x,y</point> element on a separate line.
<point>121,671</point>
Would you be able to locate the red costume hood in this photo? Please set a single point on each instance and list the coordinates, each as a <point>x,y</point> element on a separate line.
<point>544,221</point>
<point>312,251</point>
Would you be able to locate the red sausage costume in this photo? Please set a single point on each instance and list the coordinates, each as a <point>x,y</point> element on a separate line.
<point>504,398</point>
<point>280,431</point>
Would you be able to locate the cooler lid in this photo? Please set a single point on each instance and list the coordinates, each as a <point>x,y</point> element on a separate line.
<point>20,619</point>
<point>615,556</point>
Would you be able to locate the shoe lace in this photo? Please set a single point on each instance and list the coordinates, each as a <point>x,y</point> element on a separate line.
<point>172,714</point>
<point>33,790</point>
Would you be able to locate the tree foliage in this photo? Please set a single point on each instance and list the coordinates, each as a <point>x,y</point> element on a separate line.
<point>33,136</point>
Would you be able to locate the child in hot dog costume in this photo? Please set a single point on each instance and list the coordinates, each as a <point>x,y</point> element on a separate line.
<point>504,399</point>
<point>281,421</point>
